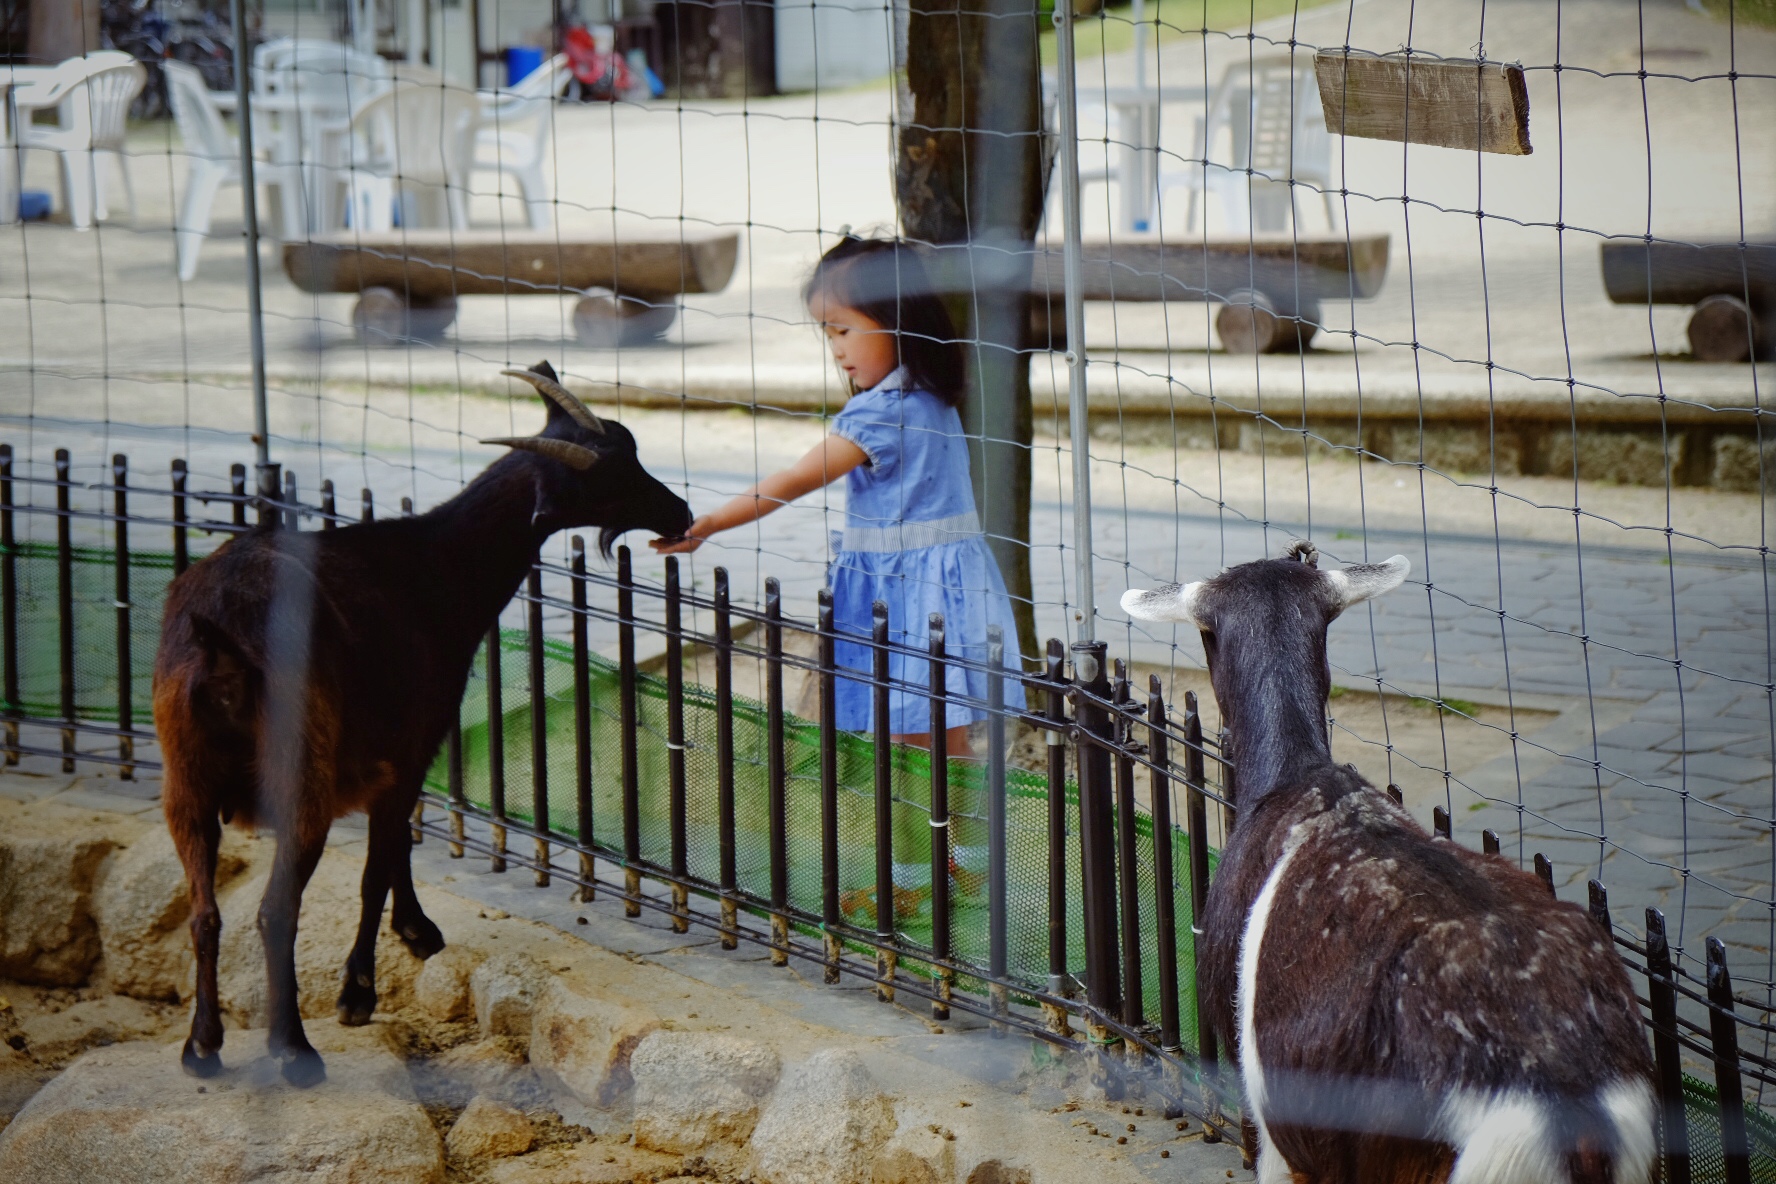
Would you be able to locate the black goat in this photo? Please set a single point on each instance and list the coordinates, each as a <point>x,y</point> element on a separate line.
<point>302,676</point>
<point>1404,1009</point>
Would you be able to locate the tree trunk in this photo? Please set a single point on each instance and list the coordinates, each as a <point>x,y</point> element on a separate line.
<point>970,181</point>
<point>63,29</point>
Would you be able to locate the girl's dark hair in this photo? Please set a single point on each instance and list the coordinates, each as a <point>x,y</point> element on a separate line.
<point>887,281</point>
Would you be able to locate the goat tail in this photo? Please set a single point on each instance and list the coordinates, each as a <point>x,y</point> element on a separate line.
<point>1518,1137</point>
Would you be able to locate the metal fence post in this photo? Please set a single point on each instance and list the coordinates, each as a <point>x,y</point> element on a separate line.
<point>181,515</point>
<point>120,557</point>
<point>776,774</point>
<point>630,711</point>
<point>1097,837</point>
<point>1128,872</point>
<point>9,655</point>
<point>65,602</point>
<point>884,771</point>
<point>675,748</point>
<point>1667,1055</point>
<point>940,821</point>
<point>830,916</point>
<point>237,490</point>
<point>1054,676</point>
<point>496,750</point>
<point>1196,822</point>
<point>1723,1028</point>
<point>539,723</point>
<point>1164,884</point>
<point>582,725</point>
<point>724,762</point>
<point>998,919</point>
<point>1073,267</point>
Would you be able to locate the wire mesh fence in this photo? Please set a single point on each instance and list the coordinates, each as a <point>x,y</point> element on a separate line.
<point>1517,328</point>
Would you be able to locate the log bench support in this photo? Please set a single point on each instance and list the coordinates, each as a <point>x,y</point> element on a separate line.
<point>1732,287</point>
<point>1270,291</point>
<point>408,283</point>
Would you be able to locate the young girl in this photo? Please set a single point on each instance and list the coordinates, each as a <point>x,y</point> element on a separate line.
<point>912,538</point>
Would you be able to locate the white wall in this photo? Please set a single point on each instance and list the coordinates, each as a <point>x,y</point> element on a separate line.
<point>832,43</point>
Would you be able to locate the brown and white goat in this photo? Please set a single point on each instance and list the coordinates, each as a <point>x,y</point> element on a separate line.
<point>1404,1009</point>
<point>305,675</point>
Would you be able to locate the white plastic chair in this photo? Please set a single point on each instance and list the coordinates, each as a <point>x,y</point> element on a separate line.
<point>1265,117</point>
<point>212,152</point>
<point>92,97</point>
<point>417,143</point>
<point>514,135</point>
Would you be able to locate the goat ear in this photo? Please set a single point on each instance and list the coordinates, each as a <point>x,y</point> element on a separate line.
<point>1366,581</point>
<point>1174,602</point>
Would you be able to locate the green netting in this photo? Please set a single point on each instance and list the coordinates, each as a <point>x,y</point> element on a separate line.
<point>1026,814</point>
<point>1707,1164</point>
<point>93,582</point>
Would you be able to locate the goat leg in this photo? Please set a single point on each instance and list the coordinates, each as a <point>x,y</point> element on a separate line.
<point>197,835</point>
<point>357,994</point>
<point>298,853</point>
<point>416,930</point>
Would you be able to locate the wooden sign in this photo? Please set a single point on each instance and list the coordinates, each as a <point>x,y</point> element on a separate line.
<point>1449,103</point>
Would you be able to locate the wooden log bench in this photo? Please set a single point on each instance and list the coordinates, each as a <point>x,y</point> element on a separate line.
<point>1732,286</point>
<point>1270,290</point>
<point>408,282</point>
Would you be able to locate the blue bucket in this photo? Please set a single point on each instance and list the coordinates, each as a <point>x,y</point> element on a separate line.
<point>521,62</point>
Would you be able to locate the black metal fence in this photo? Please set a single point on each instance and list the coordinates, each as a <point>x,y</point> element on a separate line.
<point>736,815</point>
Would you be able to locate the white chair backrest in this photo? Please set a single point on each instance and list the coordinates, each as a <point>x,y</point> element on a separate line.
<point>195,111</point>
<point>327,72</point>
<point>1270,113</point>
<point>419,133</point>
<point>110,91</point>
<point>531,99</point>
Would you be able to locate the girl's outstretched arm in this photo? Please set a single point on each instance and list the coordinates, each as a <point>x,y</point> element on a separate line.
<point>825,463</point>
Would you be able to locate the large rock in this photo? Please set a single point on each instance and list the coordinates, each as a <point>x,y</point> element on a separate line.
<point>824,1124</point>
<point>582,1044</point>
<point>141,904</point>
<point>599,1162</point>
<point>20,1077</point>
<point>489,1130</point>
<point>697,1089</point>
<point>55,1038</point>
<point>47,931</point>
<point>503,990</point>
<point>442,988</point>
<point>129,1113</point>
<point>325,932</point>
<point>922,1150</point>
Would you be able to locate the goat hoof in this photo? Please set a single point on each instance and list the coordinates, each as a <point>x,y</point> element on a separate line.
<point>303,1068</point>
<point>199,1064</point>
<point>421,937</point>
<point>357,1004</point>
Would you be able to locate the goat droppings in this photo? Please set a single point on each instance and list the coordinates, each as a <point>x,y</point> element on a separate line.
<point>1165,1154</point>
<point>581,921</point>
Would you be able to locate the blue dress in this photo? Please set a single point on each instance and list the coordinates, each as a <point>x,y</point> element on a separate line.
<point>912,539</point>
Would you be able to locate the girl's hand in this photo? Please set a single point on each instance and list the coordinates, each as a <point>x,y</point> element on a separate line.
<point>693,538</point>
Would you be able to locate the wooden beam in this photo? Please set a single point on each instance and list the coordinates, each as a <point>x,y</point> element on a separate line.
<point>434,264</point>
<point>1447,103</point>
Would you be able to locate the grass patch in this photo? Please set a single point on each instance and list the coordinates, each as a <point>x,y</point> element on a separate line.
<point>1744,12</point>
<point>1112,30</point>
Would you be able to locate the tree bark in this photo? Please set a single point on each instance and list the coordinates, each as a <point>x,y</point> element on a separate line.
<point>63,29</point>
<point>970,179</point>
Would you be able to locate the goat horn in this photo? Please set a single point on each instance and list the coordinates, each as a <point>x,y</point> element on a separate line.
<point>559,395</point>
<point>565,451</point>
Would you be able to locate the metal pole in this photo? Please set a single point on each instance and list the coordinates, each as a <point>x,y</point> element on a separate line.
<point>243,95</point>
<point>1073,262</point>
